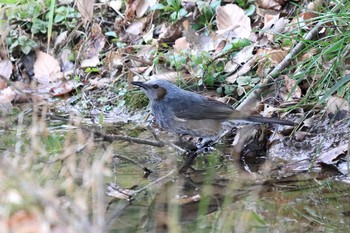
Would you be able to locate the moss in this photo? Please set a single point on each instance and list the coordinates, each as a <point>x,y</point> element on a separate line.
<point>135,100</point>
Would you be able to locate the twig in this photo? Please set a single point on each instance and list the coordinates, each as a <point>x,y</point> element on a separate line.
<point>145,169</point>
<point>111,138</point>
<point>118,192</point>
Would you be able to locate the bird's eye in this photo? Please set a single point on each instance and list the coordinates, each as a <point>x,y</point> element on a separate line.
<point>155,86</point>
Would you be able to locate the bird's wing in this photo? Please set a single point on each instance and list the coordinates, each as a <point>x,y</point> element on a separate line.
<point>204,109</point>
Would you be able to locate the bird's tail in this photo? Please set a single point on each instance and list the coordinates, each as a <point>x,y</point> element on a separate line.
<point>260,119</point>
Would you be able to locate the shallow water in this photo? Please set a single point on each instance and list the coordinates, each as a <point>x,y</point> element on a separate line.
<point>226,191</point>
<point>222,196</point>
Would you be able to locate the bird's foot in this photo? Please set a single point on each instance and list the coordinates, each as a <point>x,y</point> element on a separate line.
<point>205,142</point>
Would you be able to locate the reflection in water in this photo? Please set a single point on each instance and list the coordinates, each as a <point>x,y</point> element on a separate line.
<point>219,195</point>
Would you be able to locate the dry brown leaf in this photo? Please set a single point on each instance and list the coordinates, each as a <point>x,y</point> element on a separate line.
<point>3,84</point>
<point>26,222</point>
<point>273,25</point>
<point>46,68</point>
<point>220,46</point>
<point>337,105</point>
<point>181,44</point>
<point>6,68</point>
<point>268,58</point>
<point>138,70</point>
<point>116,5</point>
<point>171,33</point>
<point>304,20</point>
<point>65,88</point>
<point>232,18</point>
<point>244,55</point>
<point>309,53</point>
<point>270,4</point>
<point>292,87</point>
<point>275,56</point>
<point>130,11</point>
<point>7,95</point>
<point>315,5</point>
<point>136,27</point>
<point>142,8</point>
<point>241,71</point>
<point>95,45</point>
<point>61,38</point>
<point>114,59</point>
<point>91,62</point>
<point>330,156</point>
<point>86,9</point>
<point>239,59</point>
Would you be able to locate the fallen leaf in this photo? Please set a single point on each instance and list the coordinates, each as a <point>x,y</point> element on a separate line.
<point>91,62</point>
<point>7,95</point>
<point>61,38</point>
<point>130,11</point>
<point>304,20</point>
<point>136,27</point>
<point>244,55</point>
<point>220,47</point>
<point>86,9</point>
<point>315,5</point>
<point>241,71</point>
<point>292,87</point>
<point>270,4</point>
<point>100,83</point>
<point>26,222</point>
<point>46,68</point>
<point>268,58</point>
<point>142,8</point>
<point>181,44</point>
<point>6,68</point>
<point>116,5</point>
<point>330,156</point>
<point>65,88</point>
<point>273,25</point>
<point>95,44</point>
<point>337,107</point>
<point>232,18</point>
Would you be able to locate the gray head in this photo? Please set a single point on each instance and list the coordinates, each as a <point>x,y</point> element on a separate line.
<point>158,90</point>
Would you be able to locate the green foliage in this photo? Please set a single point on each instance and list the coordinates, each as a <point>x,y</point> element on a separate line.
<point>201,65</point>
<point>67,16</point>
<point>53,142</point>
<point>32,19</point>
<point>23,42</point>
<point>171,8</point>
<point>235,45</point>
<point>207,13</point>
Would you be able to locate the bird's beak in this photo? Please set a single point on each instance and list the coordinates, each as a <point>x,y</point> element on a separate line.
<point>140,84</point>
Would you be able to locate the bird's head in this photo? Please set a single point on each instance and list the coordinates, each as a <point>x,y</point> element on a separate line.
<point>156,90</point>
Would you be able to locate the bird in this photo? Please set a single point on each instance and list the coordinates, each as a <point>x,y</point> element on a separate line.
<point>188,113</point>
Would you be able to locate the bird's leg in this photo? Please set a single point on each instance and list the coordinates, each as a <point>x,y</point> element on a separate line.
<point>208,142</point>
